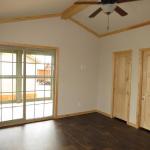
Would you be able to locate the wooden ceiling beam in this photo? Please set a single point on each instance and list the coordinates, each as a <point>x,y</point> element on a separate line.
<point>88,29</point>
<point>74,9</point>
<point>146,23</point>
<point>26,18</point>
<point>71,11</point>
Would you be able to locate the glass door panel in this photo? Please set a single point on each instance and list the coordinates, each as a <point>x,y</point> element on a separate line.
<point>26,85</point>
<point>11,81</point>
<point>39,85</point>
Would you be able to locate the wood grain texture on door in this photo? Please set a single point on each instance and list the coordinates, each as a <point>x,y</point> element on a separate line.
<point>145,105</point>
<point>122,82</point>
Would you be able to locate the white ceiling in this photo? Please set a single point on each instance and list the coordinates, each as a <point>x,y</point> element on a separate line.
<point>138,12</point>
<point>13,8</point>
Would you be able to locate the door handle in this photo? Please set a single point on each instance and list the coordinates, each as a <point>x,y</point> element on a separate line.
<point>143,98</point>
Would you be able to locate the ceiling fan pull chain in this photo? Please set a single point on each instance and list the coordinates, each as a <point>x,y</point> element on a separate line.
<point>108,25</point>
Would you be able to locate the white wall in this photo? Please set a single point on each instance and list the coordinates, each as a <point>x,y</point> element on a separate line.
<point>77,89</point>
<point>135,40</point>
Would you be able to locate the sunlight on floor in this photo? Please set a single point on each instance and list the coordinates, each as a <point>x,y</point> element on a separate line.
<point>33,110</point>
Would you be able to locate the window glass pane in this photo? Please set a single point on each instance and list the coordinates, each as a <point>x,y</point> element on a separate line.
<point>48,94</point>
<point>7,68</point>
<point>40,69</point>
<point>17,112</point>
<point>8,85</point>
<point>14,58</point>
<point>7,99</point>
<point>39,84</point>
<point>6,57</point>
<point>40,59</point>
<point>30,84</point>
<point>7,114</point>
<point>39,110</point>
<point>48,59</point>
<point>40,94</point>
<point>48,109</point>
<point>30,69</point>
<point>43,83</point>
<point>30,96</point>
<point>48,86</point>
<point>29,111</point>
<point>30,59</point>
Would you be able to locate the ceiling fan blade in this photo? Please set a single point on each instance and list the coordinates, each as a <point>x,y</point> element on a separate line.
<point>87,3</point>
<point>95,13</point>
<point>124,1</point>
<point>120,11</point>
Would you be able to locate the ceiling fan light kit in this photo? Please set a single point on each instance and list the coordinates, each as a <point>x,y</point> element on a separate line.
<point>108,8</point>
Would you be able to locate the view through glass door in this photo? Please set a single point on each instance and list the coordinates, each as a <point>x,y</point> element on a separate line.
<point>11,81</point>
<point>39,85</point>
<point>26,85</point>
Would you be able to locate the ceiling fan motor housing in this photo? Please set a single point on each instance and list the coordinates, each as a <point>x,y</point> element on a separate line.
<point>108,1</point>
<point>108,6</point>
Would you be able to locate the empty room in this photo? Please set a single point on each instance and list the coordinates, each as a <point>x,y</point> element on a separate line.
<point>74,75</point>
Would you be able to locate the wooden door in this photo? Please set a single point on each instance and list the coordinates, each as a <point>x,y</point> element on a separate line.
<point>145,108</point>
<point>122,79</point>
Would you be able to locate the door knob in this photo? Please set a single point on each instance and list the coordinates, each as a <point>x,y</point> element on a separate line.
<point>143,98</point>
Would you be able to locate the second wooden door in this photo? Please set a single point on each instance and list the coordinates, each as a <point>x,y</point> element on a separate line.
<point>145,108</point>
<point>122,78</point>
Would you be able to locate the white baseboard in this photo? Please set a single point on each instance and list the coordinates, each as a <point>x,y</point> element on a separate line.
<point>92,111</point>
<point>75,114</point>
<point>104,113</point>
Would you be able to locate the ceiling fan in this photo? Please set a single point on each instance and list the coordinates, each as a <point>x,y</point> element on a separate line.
<point>107,6</point>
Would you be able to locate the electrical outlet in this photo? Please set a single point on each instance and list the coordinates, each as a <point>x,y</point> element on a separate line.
<point>79,104</point>
<point>82,67</point>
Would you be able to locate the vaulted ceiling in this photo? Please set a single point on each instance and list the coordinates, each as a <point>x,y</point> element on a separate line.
<point>138,13</point>
<point>15,8</point>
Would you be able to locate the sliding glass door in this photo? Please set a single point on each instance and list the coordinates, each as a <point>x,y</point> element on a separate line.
<point>11,90</point>
<point>39,85</point>
<point>27,80</point>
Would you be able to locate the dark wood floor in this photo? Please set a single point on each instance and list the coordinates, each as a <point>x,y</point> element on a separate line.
<point>86,132</point>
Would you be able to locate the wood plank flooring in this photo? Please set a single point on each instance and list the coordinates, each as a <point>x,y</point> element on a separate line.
<point>86,132</point>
